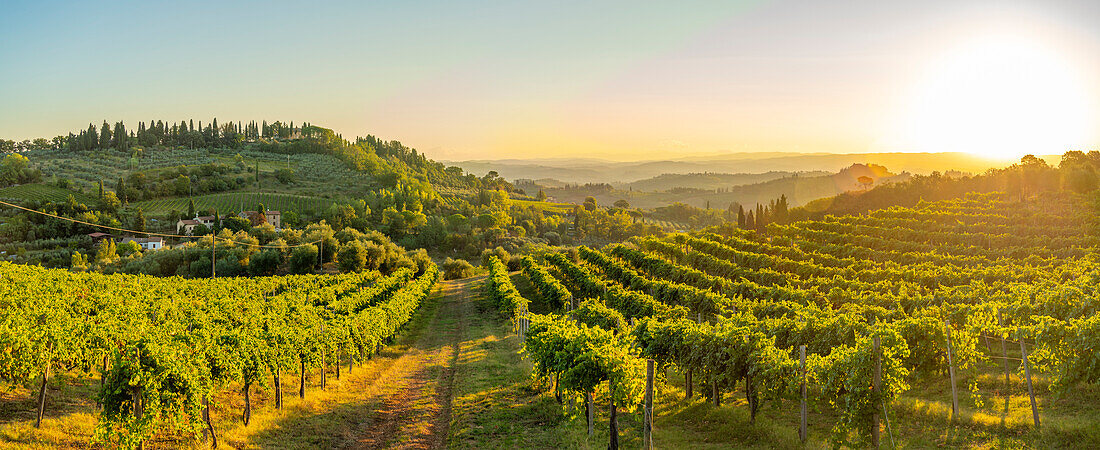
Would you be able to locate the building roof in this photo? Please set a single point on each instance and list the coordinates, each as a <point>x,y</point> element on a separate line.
<point>204,218</point>
<point>143,240</point>
<point>189,222</point>
<point>98,235</point>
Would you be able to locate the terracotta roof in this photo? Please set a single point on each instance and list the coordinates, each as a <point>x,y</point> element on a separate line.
<point>190,222</point>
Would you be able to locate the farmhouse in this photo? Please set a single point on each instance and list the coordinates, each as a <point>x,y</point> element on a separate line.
<point>187,226</point>
<point>150,243</point>
<point>272,217</point>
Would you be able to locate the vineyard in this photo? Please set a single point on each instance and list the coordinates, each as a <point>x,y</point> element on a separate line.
<point>233,202</point>
<point>978,313</point>
<point>162,348</point>
<point>41,192</point>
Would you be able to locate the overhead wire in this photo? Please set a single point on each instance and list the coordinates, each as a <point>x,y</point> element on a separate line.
<point>179,236</point>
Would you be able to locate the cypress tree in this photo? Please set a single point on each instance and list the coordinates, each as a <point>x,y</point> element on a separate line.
<point>105,136</point>
<point>139,220</point>
<point>191,208</point>
<point>101,189</point>
<point>741,216</point>
<point>120,187</point>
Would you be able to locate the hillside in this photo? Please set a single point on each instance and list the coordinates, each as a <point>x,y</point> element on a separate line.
<point>799,188</point>
<point>707,180</point>
<point>599,171</point>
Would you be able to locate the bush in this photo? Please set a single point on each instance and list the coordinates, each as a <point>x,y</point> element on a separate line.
<point>352,257</point>
<point>454,269</point>
<point>303,259</point>
<point>265,263</point>
<point>552,237</point>
<point>500,253</point>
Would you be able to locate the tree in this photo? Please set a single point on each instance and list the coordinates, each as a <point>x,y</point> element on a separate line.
<point>110,202</point>
<point>303,259</point>
<point>120,188</point>
<point>590,203</point>
<point>622,204</point>
<point>101,189</point>
<point>105,136</point>
<point>78,262</point>
<point>352,257</point>
<point>865,181</point>
<point>541,197</point>
<point>191,208</point>
<point>236,223</point>
<point>106,252</point>
<point>266,263</point>
<point>139,220</point>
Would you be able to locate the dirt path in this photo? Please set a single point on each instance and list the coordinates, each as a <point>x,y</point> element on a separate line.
<point>415,393</point>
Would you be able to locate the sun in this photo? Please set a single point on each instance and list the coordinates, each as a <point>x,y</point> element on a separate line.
<point>1000,97</point>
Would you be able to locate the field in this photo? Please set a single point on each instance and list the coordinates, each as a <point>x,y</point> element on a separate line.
<point>233,202</point>
<point>162,357</point>
<point>315,174</point>
<point>41,192</point>
<point>948,288</point>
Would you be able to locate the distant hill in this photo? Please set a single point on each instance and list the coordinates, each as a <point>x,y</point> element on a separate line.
<point>600,171</point>
<point>799,189</point>
<point>708,180</point>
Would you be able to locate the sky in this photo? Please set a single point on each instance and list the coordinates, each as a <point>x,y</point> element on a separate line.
<point>616,80</point>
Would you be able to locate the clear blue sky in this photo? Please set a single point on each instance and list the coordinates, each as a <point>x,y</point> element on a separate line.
<point>522,79</point>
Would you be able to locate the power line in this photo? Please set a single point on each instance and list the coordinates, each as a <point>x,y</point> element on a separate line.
<point>55,216</point>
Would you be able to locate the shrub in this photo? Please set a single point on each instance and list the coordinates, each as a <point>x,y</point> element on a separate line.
<point>454,269</point>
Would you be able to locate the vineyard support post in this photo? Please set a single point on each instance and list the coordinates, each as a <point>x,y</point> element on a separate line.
<point>588,410</point>
<point>302,379</point>
<point>1030,391</point>
<point>687,384</point>
<point>278,388</point>
<point>247,416</point>
<point>613,422</point>
<point>102,377</point>
<point>138,409</point>
<point>802,363</point>
<point>647,439</point>
<point>876,384</point>
<point>42,396</point>
<point>208,432</point>
<point>1004,352</point>
<point>951,371</point>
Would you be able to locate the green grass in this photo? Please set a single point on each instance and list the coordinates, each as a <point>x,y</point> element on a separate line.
<point>232,202</point>
<point>40,191</point>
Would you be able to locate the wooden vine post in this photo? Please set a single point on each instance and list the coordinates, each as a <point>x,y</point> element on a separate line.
<point>647,439</point>
<point>42,391</point>
<point>302,379</point>
<point>247,416</point>
<point>802,363</point>
<point>588,411</point>
<point>1030,391</point>
<point>1004,353</point>
<point>208,432</point>
<point>876,384</point>
<point>951,371</point>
